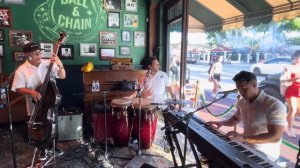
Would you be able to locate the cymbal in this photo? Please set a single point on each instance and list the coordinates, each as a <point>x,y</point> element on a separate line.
<point>158,103</point>
<point>176,101</point>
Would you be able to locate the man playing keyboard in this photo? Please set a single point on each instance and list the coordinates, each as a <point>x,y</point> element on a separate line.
<point>263,117</point>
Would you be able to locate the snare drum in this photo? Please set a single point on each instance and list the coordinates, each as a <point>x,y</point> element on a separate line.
<point>121,121</point>
<point>148,125</point>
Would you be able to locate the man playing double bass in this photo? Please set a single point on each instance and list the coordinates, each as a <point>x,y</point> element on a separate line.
<point>31,74</point>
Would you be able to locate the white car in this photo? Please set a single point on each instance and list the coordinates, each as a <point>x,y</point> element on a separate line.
<point>272,66</point>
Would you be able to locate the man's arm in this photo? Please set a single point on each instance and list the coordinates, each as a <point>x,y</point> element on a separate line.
<point>33,93</point>
<point>169,90</point>
<point>232,121</point>
<point>273,135</point>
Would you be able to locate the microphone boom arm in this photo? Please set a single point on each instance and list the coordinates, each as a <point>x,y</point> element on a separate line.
<point>189,115</point>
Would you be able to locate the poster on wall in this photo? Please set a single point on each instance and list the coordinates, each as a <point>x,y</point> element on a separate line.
<point>108,38</point>
<point>139,39</point>
<point>131,5</point>
<point>88,49</point>
<point>112,4</point>
<point>66,52</point>
<point>17,38</point>
<point>47,49</point>
<point>19,56</point>
<point>5,17</point>
<point>113,20</point>
<point>1,35</point>
<point>131,20</point>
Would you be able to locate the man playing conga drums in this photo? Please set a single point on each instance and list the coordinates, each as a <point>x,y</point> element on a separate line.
<point>157,84</point>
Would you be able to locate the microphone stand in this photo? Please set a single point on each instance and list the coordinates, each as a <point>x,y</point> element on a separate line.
<point>5,87</point>
<point>106,163</point>
<point>139,96</point>
<point>187,118</point>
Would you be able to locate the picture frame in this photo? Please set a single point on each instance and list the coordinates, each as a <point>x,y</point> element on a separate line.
<point>17,38</point>
<point>125,50</point>
<point>131,5</point>
<point>66,52</point>
<point>107,53</point>
<point>19,56</point>
<point>15,2</point>
<point>6,17</point>
<point>2,35</point>
<point>112,5</point>
<point>131,20</point>
<point>88,49</point>
<point>139,39</point>
<point>126,35</point>
<point>108,38</point>
<point>2,51</point>
<point>47,49</point>
<point>113,20</point>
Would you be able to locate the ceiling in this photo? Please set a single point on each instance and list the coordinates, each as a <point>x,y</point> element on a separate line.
<point>229,14</point>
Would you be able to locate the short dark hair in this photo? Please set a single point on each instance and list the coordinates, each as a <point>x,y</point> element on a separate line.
<point>149,61</point>
<point>244,76</point>
<point>296,54</point>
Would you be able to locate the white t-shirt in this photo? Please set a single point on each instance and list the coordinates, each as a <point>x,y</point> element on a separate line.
<point>157,84</point>
<point>218,68</point>
<point>257,115</point>
<point>29,76</point>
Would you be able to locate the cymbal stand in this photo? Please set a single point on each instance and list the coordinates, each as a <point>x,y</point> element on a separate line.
<point>187,118</point>
<point>5,94</point>
<point>105,163</point>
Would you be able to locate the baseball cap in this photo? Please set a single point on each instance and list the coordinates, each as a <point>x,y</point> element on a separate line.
<point>31,47</point>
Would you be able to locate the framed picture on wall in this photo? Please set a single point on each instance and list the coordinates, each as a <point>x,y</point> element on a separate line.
<point>66,52</point>
<point>112,4</point>
<point>126,36</point>
<point>131,5</point>
<point>2,50</point>
<point>131,20</point>
<point>1,35</point>
<point>88,49</point>
<point>17,38</point>
<point>139,39</point>
<point>113,20</point>
<point>19,56</point>
<point>125,50</point>
<point>107,53</point>
<point>47,49</point>
<point>108,38</point>
<point>17,2</point>
<point>5,17</point>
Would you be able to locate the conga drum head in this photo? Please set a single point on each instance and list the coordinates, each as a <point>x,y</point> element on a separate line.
<point>145,102</point>
<point>121,102</point>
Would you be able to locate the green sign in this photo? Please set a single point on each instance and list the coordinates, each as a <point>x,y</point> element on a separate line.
<point>78,18</point>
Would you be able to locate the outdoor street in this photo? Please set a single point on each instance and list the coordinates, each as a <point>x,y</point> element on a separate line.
<point>289,147</point>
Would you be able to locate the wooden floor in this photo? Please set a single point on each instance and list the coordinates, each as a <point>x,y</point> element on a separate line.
<point>80,154</point>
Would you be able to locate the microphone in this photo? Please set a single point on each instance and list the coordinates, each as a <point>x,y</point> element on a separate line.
<point>227,92</point>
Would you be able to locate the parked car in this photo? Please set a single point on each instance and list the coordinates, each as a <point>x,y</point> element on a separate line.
<point>271,86</point>
<point>272,66</point>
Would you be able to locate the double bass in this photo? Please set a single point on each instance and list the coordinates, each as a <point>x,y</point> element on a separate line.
<point>41,126</point>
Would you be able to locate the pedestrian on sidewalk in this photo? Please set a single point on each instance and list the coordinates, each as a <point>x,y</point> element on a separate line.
<point>215,75</point>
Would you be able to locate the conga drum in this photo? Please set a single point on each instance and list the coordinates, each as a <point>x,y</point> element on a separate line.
<point>121,121</point>
<point>148,123</point>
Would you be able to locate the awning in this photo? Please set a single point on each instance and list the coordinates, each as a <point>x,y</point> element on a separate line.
<point>230,14</point>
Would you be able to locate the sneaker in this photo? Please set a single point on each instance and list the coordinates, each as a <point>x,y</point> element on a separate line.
<point>58,151</point>
<point>42,155</point>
